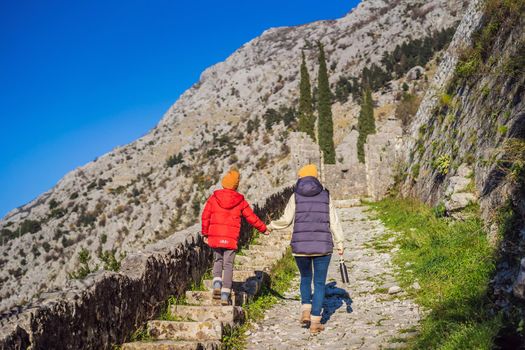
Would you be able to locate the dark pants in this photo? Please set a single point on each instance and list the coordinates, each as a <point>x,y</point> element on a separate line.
<point>320,270</point>
<point>223,261</point>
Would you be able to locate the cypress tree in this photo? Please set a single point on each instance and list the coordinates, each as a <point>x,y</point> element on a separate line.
<point>325,128</point>
<point>366,124</point>
<point>306,112</point>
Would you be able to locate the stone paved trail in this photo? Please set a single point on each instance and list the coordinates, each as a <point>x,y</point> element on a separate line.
<point>371,319</point>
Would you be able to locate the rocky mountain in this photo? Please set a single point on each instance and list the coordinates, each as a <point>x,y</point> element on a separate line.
<point>238,114</point>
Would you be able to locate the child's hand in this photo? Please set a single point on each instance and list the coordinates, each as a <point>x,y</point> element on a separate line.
<point>205,239</point>
<point>268,231</point>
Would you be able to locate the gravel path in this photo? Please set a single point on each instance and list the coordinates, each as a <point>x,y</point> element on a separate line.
<point>372,312</point>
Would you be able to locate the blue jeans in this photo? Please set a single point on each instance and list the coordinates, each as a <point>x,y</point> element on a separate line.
<point>320,270</point>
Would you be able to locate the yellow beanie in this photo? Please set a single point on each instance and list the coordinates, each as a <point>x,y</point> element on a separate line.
<point>231,180</point>
<point>308,170</point>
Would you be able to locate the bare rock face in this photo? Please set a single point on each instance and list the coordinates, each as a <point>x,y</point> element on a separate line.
<point>147,190</point>
<point>518,289</point>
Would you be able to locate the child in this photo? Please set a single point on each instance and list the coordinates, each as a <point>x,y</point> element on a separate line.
<point>221,223</point>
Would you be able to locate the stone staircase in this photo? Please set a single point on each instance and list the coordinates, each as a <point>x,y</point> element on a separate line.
<point>201,320</point>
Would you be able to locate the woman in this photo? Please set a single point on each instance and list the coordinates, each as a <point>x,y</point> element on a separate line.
<point>316,228</point>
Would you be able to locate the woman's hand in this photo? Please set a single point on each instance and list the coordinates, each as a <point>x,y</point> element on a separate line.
<point>268,231</point>
<point>205,239</point>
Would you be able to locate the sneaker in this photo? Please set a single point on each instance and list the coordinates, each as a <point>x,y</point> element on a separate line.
<point>217,285</point>
<point>225,298</point>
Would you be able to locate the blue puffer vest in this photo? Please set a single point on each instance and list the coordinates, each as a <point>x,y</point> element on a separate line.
<point>311,232</point>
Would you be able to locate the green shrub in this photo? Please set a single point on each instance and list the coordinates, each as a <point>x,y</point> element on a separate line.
<point>29,226</point>
<point>57,213</point>
<point>84,269</point>
<point>253,125</point>
<point>7,234</point>
<point>446,100</point>
<point>46,246</point>
<point>468,66</point>
<point>86,218</point>
<point>512,161</point>
<point>346,86</point>
<point>415,170</point>
<point>174,160</point>
<point>442,164</point>
<point>53,204</point>
<point>111,263</point>
<point>439,210</point>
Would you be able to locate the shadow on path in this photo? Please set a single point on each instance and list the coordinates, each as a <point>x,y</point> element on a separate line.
<point>334,298</point>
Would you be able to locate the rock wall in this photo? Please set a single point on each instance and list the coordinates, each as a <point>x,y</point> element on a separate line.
<point>463,37</point>
<point>468,140</point>
<point>383,154</point>
<point>422,182</point>
<point>106,307</point>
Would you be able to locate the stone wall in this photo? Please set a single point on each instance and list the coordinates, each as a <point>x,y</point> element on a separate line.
<point>383,155</point>
<point>106,307</point>
<point>303,151</point>
<point>346,179</point>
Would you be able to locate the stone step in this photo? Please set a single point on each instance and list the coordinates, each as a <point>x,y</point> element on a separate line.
<point>182,330</point>
<point>242,275</point>
<point>237,285</point>
<point>255,259</point>
<point>172,345</point>
<point>250,286</point>
<point>261,248</point>
<point>225,314</point>
<point>274,255</point>
<point>272,242</point>
<point>277,237</point>
<point>260,270</point>
<point>205,298</point>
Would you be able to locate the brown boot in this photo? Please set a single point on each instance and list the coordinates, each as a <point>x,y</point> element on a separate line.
<point>315,325</point>
<point>305,314</point>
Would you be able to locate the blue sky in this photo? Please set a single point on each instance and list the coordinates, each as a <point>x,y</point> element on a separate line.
<point>78,78</point>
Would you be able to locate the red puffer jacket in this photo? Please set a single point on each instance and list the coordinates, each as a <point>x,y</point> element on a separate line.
<point>221,218</point>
